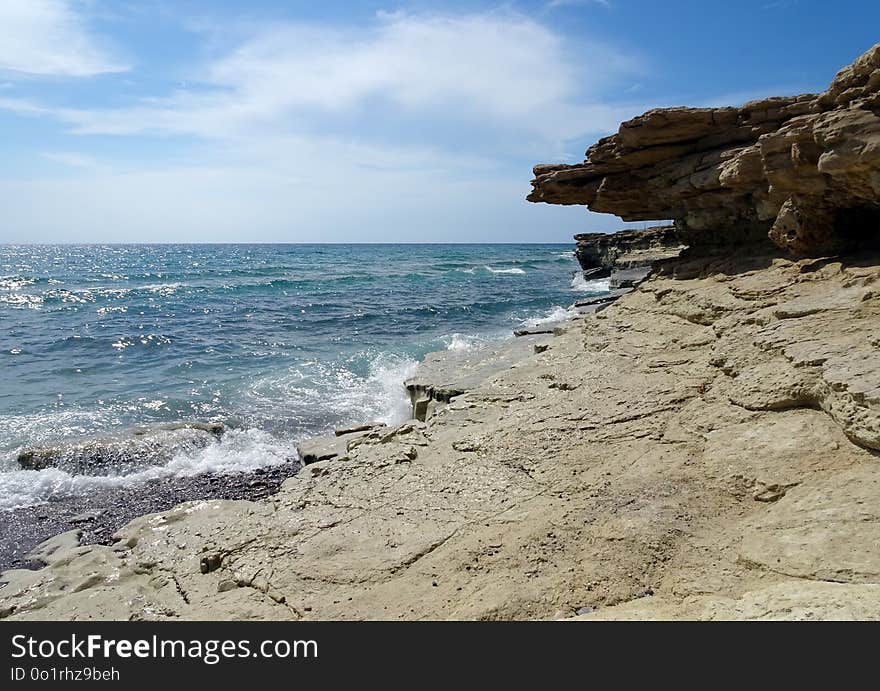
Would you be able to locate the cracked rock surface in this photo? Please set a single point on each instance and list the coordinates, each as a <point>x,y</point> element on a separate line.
<point>714,453</point>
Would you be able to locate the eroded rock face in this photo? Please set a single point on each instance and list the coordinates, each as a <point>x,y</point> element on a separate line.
<point>803,170</point>
<point>627,255</point>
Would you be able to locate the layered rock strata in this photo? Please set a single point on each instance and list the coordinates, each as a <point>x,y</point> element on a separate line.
<point>627,256</point>
<point>801,170</point>
<point>603,254</point>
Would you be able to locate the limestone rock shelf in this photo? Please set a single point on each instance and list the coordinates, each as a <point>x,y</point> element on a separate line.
<point>444,375</point>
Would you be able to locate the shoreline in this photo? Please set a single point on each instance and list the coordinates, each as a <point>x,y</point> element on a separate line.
<point>703,447</point>
<point>98,515</point>
<point>643,465</point>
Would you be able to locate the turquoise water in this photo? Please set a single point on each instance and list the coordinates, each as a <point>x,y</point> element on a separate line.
<point>280,342</point>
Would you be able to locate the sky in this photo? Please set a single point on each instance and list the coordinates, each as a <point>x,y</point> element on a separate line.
<point>304,121</point>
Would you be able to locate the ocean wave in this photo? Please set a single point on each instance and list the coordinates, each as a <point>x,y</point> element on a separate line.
<point>582,285</point>
<point>324,395</point>
<point>461,342</point>
<point>21,300</point>
<point>16,282</point>
<point>162,289</point>
<point>143,339</point>
<point>388,375</point>
<point>238,451</point>
<point>557,314</point>
<point>504,271</point>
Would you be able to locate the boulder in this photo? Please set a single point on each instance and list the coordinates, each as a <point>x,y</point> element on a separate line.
<point>627,256</point>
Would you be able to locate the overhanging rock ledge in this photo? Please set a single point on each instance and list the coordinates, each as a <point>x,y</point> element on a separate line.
<point>801,170</point>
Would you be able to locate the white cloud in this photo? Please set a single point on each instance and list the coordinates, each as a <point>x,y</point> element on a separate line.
<point>413,127</point>
<point>499,69</point>
<point>49,37</point>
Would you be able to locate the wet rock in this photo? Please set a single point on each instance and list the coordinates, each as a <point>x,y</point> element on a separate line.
<point>443,376</point>
<point>210,562</point>
<point>602,299</point>
<point>123,453</point>
<point>86,517</point>
<point>628,278</point>
<point>537,330</point>
<point>351,429</point>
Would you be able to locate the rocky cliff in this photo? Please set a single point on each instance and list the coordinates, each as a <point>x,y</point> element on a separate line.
<point>801,170</point>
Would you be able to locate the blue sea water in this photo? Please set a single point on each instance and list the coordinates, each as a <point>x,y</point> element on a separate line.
<point>280,342</point>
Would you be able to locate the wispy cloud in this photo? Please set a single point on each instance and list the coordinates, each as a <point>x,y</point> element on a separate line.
<point>443,114</point>
<point>499,69</point>
<point>50,37</point>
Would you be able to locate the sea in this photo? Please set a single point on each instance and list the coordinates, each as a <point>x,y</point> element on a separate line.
<point>277,342</point>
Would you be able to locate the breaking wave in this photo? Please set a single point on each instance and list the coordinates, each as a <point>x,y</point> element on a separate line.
<point>514,270</point>
<point>557,314</point>
<point>582,285</point>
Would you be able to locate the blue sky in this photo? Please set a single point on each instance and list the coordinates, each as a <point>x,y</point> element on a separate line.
<point>221,121</point>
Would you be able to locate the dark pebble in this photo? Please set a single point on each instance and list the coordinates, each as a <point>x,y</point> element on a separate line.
<point>24,529</point>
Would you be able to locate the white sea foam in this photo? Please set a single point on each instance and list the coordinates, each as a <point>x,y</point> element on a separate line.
<point>393,402</point>
<point>582,285</point>
<point>162,289</point>
<point>239,451</point>
<point>557,314</point>
<point>515,270</point>
<point>15,282</point>
<point>460,342</point>
<point>323,395</point>
<point>22,300</point>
